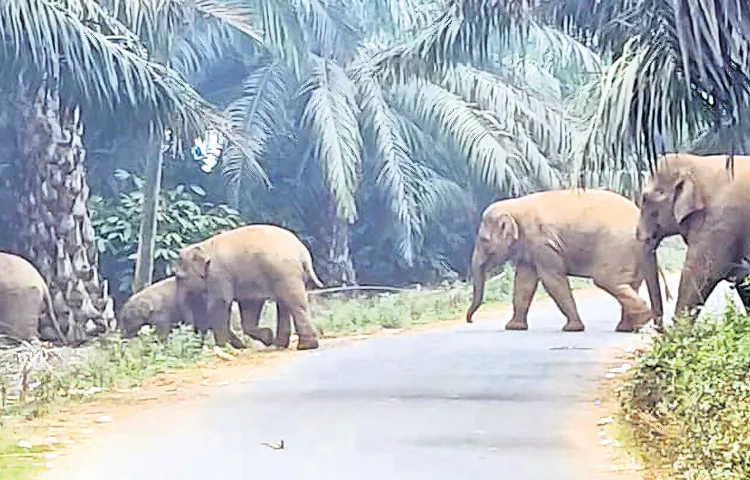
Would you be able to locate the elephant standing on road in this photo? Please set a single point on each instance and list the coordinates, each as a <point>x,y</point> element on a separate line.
<point>677,196</point>
<point>717,233</point>
<point>249,265</point>
<point>23,296</point>
<point>550,235</point>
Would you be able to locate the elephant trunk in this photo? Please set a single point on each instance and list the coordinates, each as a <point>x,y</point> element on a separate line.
<point>653,286</point>
<point>478,275</point>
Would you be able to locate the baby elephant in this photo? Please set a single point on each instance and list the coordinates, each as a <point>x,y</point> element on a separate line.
<point>155,305</point>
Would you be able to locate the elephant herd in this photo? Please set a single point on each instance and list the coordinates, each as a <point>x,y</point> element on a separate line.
<point>548,236</point>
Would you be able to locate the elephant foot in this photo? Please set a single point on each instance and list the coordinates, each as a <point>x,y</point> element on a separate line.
<point>624,327</point>
<point>263,335</point>
<point>573,326</point>
<point>309,343</point>
<point>516,325</point>
<point>282,340</point>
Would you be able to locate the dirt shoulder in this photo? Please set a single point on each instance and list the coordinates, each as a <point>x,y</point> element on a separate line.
<point>594,430</point>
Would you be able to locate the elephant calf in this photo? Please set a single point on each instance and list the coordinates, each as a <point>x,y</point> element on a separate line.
<point>550,235</point>
<point>23,296</point>
<point>249,265</point>
<point>155,305</point>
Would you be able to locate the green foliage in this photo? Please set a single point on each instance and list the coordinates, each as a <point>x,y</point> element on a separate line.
<point>687,399</point>
<point>32,378</point>
<point>182,221</point>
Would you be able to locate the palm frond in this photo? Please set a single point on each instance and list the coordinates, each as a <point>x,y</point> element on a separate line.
<point>232,13</point>
<point>283,34</point>
<point>255,116</point>
<point>638,115</point>
<point>461,34</point>
<point>330,114</point>
<point>328,29</point>
<point>445,115</point>
<point>394,167</point>
<point>567,51</point>
<point>43,40</point>
<point>544,120</point>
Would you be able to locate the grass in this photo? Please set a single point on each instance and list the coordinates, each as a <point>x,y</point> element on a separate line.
<point>35,381</point>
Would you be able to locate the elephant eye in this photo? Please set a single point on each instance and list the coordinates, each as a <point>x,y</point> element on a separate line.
<point>654,214</point>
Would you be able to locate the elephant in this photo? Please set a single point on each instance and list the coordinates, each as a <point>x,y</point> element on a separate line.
<point>250,265</point>
<point>155,305</point>
<point>718,237</point>
<point>24,296</point>
<point>554,234</point>
<point>676,198</point>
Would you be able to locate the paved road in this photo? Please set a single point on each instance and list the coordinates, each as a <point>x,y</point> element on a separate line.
<point>474,402</point>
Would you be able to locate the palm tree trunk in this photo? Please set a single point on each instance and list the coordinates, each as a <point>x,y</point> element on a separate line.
<point>144,263</point>
<point>56,233</point>
<point>339,255</point>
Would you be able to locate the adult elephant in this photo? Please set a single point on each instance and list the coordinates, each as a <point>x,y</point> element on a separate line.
<point>718,238</point>
<point>249,265</point>
<point>678,195</point>
<point>551,235</point>
<point>24,295</point>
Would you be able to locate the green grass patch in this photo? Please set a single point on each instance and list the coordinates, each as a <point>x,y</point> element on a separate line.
<point>687,402</point>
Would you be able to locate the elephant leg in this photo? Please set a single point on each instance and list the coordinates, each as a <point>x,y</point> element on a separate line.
<point>299,309</point>
<point>635,310</point>
<point>626,321</point>
<point>283,326</point>
<point>705,266</point>
<point>219,314</point>
<point>250,312</point>
<point>558,287</point>
<point>525,284</point>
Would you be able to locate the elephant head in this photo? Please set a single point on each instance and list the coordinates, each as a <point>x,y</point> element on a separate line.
<point>497,241</point>
<point>668,200</point>
<point>191,276</point>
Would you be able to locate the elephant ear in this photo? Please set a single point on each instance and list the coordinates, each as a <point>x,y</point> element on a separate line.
<point>687,197</point>
<point>508,227</point>
<point>193,260</point>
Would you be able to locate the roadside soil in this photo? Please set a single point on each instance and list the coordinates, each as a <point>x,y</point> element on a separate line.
<point>76,426</point>
<point>595,439</point>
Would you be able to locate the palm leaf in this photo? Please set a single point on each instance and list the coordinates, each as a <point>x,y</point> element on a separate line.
<point>330,114</point>
<point>394,168</point>
<point>447,116</point>
<point>255,115</point>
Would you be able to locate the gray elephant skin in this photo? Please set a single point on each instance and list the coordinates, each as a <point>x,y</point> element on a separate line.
<point>249,265</point>
<point>155,305</point>
<point>23,297</point>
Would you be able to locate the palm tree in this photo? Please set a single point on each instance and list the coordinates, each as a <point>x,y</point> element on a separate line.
<point>65,64</point>
<point>678,69</point>
<point>357,113</point>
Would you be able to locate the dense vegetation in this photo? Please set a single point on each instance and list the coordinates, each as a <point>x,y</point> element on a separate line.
<point>688,400</point>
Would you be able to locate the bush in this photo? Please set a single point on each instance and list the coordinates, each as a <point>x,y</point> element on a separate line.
<point>33,378</point>
<point>183,219</point>
<point>688,400</point>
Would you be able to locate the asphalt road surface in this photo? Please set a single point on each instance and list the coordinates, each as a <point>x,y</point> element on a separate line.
<point>474,402</point>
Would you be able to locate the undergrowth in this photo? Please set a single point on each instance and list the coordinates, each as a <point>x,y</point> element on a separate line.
<point>687,402</point>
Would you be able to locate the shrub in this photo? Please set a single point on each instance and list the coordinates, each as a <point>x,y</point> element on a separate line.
<point>688,400</point>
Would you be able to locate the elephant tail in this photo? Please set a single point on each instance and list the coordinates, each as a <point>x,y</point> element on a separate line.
<point>53,316</point>
<point>307,265</point>
<point>666,286</point>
